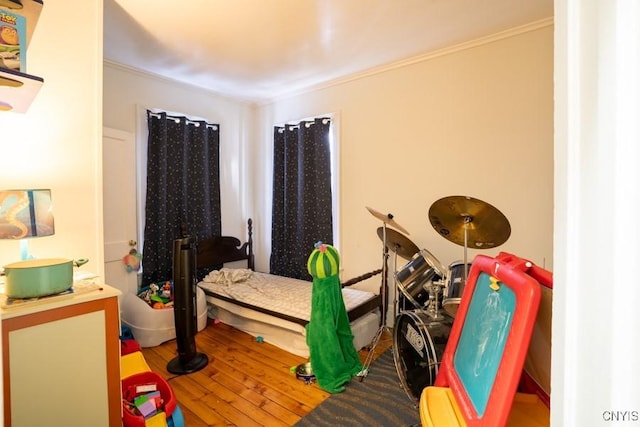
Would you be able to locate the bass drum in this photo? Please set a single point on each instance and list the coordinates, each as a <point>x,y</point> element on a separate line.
<point>418,346</point>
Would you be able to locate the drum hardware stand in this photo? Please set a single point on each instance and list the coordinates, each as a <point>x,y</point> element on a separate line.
<point>384,293</point>
<point>396,302</point>
<point>432,309</point>
<point>467,221</point>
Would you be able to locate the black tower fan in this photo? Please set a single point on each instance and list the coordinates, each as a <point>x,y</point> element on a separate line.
<point>184,309</point>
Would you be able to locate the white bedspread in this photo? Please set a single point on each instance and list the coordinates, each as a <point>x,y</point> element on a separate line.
<point>283,295</point>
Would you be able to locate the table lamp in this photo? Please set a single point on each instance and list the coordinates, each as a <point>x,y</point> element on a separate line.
<point>25,214</point>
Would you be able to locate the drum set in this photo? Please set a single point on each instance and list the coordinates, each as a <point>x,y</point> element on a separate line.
<point>429,292</point>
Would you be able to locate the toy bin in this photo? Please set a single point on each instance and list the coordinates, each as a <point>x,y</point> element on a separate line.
<point>136,388</point>
<point>151,327</point>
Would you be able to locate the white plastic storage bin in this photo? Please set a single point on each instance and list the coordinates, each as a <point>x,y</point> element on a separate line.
<point>151,327</point>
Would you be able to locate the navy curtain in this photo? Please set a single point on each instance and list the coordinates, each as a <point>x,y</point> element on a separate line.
<point>183,189</point>
<point>302,208</point>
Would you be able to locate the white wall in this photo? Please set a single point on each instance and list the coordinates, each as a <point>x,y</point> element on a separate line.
<point>474,121</point>
<point>128,92</point>
<point>596,344</point>
<point>56,144</point>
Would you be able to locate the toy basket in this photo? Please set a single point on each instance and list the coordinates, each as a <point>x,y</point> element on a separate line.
<point>140,384</point>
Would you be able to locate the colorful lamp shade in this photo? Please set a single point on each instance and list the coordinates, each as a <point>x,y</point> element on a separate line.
<point>25,213</point>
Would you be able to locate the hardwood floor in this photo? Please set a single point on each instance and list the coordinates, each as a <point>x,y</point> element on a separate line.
<point>245,383</point>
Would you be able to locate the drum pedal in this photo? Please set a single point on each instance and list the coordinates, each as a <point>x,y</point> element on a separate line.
<point>363,373</point>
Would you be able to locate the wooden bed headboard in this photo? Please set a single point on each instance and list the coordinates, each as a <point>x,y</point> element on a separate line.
<point>218,250</point>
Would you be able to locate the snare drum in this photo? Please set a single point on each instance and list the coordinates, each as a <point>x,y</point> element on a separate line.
<point>419,344</point>
<point>414,277</point>
<point>455,287</point>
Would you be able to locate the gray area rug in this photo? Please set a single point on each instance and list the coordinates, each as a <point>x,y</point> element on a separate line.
<point>378,400</point>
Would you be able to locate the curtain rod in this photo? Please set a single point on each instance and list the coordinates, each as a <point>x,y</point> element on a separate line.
<point>307,123</point>
<point>187,120</point>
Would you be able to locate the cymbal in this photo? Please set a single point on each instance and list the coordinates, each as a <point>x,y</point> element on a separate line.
<point>387,219</point>
<point>398,243</point>
<point>486,226</point>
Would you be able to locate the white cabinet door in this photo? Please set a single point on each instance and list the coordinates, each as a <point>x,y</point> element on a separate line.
<point>56,365</point>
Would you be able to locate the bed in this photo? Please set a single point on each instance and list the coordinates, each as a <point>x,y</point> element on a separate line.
<point>272,308</point>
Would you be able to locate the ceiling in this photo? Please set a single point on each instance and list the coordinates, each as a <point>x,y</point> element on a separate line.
<point>260,50</point>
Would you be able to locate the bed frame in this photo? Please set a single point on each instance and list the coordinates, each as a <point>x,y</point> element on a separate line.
<point>218,250</point>
<point>222,249</point>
